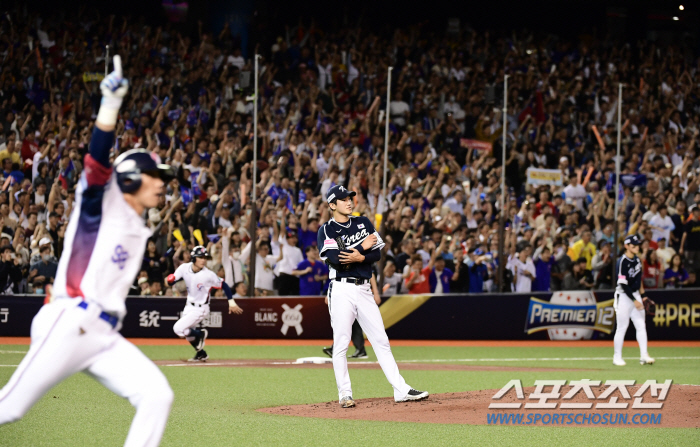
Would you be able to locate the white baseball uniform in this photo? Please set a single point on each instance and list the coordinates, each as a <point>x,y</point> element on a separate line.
<point>104,245</point>
<point>198,285</point>
<point>348,301</point>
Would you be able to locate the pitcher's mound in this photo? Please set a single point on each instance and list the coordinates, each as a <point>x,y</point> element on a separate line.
<point>680,409</point>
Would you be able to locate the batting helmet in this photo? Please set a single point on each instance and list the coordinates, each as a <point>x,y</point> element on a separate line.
<point>200,252</point>
<point>131,164</point>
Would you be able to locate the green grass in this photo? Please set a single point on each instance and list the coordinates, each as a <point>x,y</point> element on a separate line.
<point>216,406</point>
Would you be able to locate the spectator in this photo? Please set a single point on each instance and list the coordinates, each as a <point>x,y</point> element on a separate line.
<point>651,271</point>
<point>603,266</point>
<point>544,262</point>
<point>460,279</point>
<point>392,279</point>
<point>291,257</point>
<point>524,271</point>
<point>312,273</point>
<point>440,276</point>
<point>10,272</point>
<point>675,276</point>
<point>692,280</point>
<point>690,241</point>
<point>478,272</point>
<point>583,248</point>
<point>418,281</point>
<point>578,277</point>
<point>664,253</point>
<point>264,267</point>
<point>240,289</point>
<point>661,225</point>
<point>44,271</point>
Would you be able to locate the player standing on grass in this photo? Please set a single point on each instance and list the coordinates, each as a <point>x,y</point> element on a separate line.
<point>77,329</point>
<point>350,245</point>
<point>629,301</point>
<point>199,281</point>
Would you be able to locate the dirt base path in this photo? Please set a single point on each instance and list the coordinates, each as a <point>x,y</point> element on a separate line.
<point>268,363</point>
<point>681,409</point>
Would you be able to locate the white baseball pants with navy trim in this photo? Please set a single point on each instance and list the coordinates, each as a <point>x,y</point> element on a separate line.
<point>347,302</point>
<point>624,312</point>
<point>67,339</point>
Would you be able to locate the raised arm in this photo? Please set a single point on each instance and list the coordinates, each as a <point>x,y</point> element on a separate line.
<point>114,88</point>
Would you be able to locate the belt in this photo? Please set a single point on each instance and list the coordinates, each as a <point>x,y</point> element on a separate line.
<point>197,305</point>
<point>356,281</point>
<point>109,318</point>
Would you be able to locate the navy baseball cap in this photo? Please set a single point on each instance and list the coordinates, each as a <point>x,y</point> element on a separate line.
<point>338,192</point>
<point>633,240</point>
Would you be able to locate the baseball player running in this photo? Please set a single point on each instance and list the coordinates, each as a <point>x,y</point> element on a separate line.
<point>629,298</point>
<point>350,245</point>
<point>199,281</point>
<point>77,329</point>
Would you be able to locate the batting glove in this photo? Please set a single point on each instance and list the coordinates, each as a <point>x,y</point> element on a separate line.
<point>114,88</point>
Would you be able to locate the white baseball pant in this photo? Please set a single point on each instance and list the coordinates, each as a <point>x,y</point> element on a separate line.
<point>346,302</point>
<point>67,339</point>
<point>191,317</point>
<point>624,311</point>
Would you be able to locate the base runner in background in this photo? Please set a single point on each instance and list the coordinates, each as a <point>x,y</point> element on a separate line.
<point>629,298</point>
<point>350,245</point>
<point>199,281</point>
<point>78,327</point>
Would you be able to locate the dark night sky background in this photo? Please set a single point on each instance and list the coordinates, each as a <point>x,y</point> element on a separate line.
<point>567,18</point>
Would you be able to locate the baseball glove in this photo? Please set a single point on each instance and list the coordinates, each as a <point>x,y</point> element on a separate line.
<point>649,306</point>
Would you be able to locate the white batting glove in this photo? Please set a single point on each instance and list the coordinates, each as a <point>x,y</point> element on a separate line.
<point>114,88</point>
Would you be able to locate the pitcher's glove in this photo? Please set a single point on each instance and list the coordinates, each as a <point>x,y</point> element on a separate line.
<point>649,306</point>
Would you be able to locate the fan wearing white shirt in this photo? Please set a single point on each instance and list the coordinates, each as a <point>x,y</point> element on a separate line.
<point>575,192</point>
<point>288,284</point>
<point>523,271</point>
<point>662,224</point>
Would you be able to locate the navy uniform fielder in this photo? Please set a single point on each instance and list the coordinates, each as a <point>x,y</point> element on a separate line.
<point>350,245</point>
<point>629,297</point>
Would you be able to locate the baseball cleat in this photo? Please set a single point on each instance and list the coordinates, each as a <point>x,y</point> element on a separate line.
<point>347,402</point>
<point>328,351</point>
<point>202,338</point>
<point>414,395</point>
<point>619,362</point>
<point>359,354</point>
<point>646,360</point>
<point>200,356</point>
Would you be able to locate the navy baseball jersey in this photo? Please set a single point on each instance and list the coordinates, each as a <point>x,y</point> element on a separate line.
<point>334,237</point>
<point>629,275</point>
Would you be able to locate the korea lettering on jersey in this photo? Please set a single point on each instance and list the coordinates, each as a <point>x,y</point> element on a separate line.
<point>349,235</point>
<point>104,243</point>
<point>199,284</point>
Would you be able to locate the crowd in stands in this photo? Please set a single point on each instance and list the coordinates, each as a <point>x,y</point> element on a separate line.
<point>321,121</point>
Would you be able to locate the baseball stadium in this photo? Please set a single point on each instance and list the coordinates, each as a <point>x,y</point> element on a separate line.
<point>257,222</point>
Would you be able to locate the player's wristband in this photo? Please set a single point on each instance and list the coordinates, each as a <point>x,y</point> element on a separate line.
<point>109,110</point>
<point>232,302</point>
<point>644,295</point>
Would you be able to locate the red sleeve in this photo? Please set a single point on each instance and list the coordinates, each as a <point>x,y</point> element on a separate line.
<point>95,172</point>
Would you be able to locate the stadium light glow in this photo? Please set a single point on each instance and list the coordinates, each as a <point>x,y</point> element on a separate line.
<point>681,7</point>
<point>675,18</point>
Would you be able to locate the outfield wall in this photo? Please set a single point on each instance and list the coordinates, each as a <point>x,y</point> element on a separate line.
<point>533,316</point>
